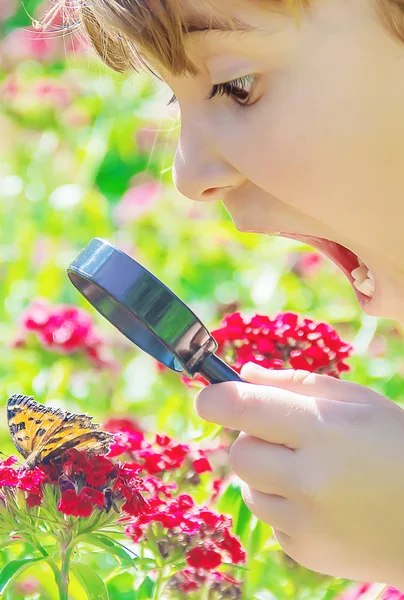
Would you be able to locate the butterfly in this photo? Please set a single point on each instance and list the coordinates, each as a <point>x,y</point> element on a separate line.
<point>41,433</point>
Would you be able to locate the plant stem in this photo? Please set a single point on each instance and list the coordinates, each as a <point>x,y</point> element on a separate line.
<point>160,583</point>
<point>66,552</point>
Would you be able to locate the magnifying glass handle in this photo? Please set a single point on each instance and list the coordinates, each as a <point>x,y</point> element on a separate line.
<point>215,370</point>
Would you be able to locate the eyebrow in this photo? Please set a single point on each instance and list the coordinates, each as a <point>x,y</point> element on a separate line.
<point>198,25</point>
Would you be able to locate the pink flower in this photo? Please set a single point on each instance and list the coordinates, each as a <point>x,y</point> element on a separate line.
<point>136,201</point>
<point>307,264</point>
<point>64,329</point>
<point>357,592</point>
<point>30,43</point>
<point>10,87</point>
<point>53,92</point>
<point>8,475</point>
<point>117,424</point>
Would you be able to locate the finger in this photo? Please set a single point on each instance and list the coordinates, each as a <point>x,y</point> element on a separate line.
<point>276,511</point>
<point>268,468</point>
<point>309,384</point>
<point>265,412</point>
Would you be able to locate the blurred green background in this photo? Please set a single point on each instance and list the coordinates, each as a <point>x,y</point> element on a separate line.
<point>87,152</point>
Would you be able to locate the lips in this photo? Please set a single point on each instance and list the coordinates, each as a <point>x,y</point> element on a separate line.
<point>344,258</point>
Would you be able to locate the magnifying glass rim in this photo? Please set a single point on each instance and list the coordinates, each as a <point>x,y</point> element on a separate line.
<point>78,271</point>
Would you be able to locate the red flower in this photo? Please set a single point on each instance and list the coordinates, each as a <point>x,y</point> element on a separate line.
<point>99,470</point>
<point>34,498</point>
<point>134,531</point>
<point>185,502</point>
<point>126,441</point>
<point>153,462</point>
<point>118,424</point>
<point>201,464</point>
<point>204,558</point>
<point>9,462</point>
<point>209,517</point>
<point>162,440</point>
<point>8,475</point>
<point>30,479</point>
<point>74,462</point>
<point>80,505</point>
<point>64,329</point>
<point>136,504</point>
<point>232,546</point>
<point>217,485</point>
<point>52,472</point>
<point>175,455</point>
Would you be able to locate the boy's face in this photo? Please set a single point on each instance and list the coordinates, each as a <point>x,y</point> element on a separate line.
<point>316,151</point>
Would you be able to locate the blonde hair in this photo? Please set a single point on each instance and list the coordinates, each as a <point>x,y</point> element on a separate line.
<point>129,35</point>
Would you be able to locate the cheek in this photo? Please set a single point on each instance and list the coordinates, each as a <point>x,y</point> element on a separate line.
<point>317,141</point>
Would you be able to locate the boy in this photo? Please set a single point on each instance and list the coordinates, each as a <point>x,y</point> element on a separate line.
<point>294,118</point>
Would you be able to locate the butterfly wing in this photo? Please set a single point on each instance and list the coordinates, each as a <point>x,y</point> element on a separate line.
<point>40,432</point>
<point>93,442</point>
<point>30,423</point>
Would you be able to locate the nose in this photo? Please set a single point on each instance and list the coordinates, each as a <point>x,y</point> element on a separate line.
<point>200,172</point>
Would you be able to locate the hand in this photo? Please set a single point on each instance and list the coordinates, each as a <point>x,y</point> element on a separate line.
<point>322,461</point>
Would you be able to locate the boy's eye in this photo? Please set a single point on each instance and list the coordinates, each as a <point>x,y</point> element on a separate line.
<point>239,89</point>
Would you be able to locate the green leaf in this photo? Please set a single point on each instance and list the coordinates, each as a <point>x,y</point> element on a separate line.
<point>15,568</point>
<point>258,538</point>
<point>109,545</point>
<point>91,583</point>
<point>229,502</point>
<point>145,591</point>
<point>242,524</point>
<point>9,543</point>
<point>335,589</point>
<point>121,587</point>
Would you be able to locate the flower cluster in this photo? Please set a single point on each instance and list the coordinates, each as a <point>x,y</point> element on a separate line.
<point>201,534</point>
<point>82,483</point>
<point>172,519</point>
<point>144,496</point>
<point>165,454</point>
<point>286,341</point>
<point>64,329</point>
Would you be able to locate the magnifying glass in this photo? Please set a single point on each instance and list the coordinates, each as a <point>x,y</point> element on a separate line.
<point>147,312</point>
